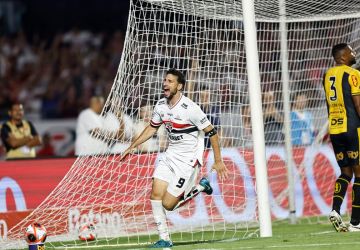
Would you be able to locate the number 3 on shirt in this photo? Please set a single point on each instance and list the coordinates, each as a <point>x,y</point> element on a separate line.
<point>333,97</point>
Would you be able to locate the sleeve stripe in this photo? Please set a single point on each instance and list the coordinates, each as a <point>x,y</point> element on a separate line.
<point>155,124</point>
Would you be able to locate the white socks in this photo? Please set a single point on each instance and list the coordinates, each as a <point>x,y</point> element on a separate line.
<point>160,219</point>
<point>160,215</point>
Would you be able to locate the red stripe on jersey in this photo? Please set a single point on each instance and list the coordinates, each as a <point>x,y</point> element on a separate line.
<point>178,125</point>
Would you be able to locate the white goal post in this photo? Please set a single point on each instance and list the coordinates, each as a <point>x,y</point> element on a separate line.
<point>252,65</point>
<point>209,42</point>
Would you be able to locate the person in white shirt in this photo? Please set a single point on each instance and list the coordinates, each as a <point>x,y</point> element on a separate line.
<point>124,124</point>
<point>93,130</point>
<point>89,120</point>
<point>176,173</point>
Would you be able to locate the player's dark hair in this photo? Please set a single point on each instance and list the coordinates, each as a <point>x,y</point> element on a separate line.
<point>338,48</point>
<point>180,76</point>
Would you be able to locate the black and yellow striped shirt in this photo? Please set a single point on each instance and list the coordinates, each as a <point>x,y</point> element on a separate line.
<point>340,84</point>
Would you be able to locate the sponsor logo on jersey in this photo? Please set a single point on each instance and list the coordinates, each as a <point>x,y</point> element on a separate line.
<point>185,106</point>
<point>340,156</point>
<point>177,118</point>
<point>168,126</point>
<point>176,137</point>
<point>203,120</point>
<point>354,80</point>
<point>353,154</point>
<point>161,102</point>
<point>337,188</point>
<point>337,121</point>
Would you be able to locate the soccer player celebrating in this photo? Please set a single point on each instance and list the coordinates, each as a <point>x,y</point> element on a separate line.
<point>175,175</point>
<point>342,91</point>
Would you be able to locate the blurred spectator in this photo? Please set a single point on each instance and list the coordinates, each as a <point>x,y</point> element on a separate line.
<point>302,129</point>
<point>2,150</point>
<point>78,39</point>
<point>96,134</point>
<point>231,127</point>
<point>212,112</point>
<point>88,121</point>
<point>273,120</point>
<point>124,125</point>
<point>247,131</point>
<point>47,148</point>
<point>18,135</point>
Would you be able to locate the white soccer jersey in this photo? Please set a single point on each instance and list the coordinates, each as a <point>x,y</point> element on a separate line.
<point>184,123</point>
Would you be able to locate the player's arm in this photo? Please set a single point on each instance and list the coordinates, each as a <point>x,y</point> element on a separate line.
<point>35,139</point>
<point>219,165</point>
<point>18,142</point>
<point>102,134</point>
<point>356,100</point>
<point>11,140</point>
<point>105,134</point>
<point>145,135</point>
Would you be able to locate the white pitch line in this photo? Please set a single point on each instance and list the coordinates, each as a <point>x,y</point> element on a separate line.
<point>302,245</point>
<point>101,246</point>
<point>325,232</point>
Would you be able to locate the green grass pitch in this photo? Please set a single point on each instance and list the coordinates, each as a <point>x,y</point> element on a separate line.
<point>320,235</point>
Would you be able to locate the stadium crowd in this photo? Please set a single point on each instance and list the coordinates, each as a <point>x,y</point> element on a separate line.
<point>55,78</point>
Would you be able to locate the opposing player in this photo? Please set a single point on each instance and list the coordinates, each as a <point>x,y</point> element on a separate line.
<point>174,177</point>
<point>342,90</point>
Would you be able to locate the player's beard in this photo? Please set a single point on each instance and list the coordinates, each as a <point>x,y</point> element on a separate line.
<point>171,94</point>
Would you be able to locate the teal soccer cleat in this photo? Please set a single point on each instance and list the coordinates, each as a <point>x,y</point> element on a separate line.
<point>162,244</point>
<point>206,185</point>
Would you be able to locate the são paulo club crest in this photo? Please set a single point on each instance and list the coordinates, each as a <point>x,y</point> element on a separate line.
<point>168,126</point>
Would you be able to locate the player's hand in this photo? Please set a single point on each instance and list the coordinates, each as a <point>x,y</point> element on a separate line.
<point>221,170</point>
<point>126,153</point>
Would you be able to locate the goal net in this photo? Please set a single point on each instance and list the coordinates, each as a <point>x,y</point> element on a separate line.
<point>205,40</point>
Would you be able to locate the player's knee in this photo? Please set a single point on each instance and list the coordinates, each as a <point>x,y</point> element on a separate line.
<point>168,206</point>
<point>155,196</point>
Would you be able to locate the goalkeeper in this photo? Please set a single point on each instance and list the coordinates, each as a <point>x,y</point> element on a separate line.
<point>174,177</point>
<point>342,91</point>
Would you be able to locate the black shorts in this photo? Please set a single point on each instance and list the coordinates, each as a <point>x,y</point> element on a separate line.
<point>346,148</point>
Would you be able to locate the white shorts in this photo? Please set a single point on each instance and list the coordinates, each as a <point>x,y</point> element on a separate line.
<point>180,176</point>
